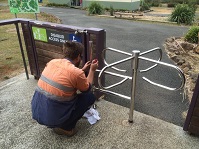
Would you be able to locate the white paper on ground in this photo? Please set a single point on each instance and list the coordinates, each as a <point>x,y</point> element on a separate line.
<point>92,115</point>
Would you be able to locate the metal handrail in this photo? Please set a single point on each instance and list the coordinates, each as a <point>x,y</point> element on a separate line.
<point>149,51</point>
<point>129,54</point>
<point>135,60</point>
<point>114,50</point>
<point>125,78</point>
<point>112,93</point>
<point>110,65</point>
<point>168,65</point>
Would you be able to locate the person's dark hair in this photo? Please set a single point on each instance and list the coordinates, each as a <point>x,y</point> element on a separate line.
<point>72,49</point>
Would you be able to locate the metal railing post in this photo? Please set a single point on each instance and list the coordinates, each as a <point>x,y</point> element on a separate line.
<point>133,84</point>
<point>22,51</point>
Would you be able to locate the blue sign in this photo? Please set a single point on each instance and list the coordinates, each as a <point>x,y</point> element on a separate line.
<point>74,37</point>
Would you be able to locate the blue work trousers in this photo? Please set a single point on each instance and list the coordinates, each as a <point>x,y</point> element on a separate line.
<point>83,103</point>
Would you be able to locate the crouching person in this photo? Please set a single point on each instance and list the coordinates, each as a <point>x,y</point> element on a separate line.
<point>55,102</point>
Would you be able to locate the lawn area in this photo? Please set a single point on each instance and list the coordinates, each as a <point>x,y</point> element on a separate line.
<point>11,62</point>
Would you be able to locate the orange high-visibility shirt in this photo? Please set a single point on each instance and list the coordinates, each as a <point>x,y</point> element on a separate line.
<point>64,72</point>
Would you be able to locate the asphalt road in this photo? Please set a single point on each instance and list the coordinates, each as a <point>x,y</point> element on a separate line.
<point>128,35</point>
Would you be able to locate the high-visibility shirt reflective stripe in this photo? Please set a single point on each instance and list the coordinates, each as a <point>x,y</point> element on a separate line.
<point>65,74</point>
<point>56,85</point>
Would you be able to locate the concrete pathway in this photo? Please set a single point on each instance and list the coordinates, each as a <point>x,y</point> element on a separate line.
<point>19,131</point>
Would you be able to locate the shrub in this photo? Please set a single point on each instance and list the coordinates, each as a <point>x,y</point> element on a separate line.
<point>165,1</point>
<point>156,3</point>
<point>180,1</point>
<point>144,6</point>
<point>111,10</point>
<point>192,4</point>
<point>192,34</point>
<point>107,9</point>
<point>183,14</point>
<point>95,8</point>
<point>171,5</point>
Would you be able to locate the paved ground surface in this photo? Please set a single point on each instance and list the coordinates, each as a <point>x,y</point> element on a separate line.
<point>128,35</point>
<point>19,131</point>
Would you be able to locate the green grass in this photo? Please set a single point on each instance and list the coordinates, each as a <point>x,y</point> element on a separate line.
<point>11,62</point>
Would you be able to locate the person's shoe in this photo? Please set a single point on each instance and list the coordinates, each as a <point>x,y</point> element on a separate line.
<point>68,133</point>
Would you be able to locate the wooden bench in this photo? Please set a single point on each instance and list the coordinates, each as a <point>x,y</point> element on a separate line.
<point>128,14</point>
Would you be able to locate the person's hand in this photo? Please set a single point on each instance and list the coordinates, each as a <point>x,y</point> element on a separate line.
<point>94,65</point>
<point>86,66</point>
